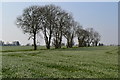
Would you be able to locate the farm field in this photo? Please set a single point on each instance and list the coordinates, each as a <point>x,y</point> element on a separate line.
<point>84,62</point>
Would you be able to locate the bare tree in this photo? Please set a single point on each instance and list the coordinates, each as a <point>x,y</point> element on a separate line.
<point>48,23</point>
<point>82,36</point>
<point>96,36</point>
<point>29,22</point>
<point>93,37</point>
<point>61,21</point>
<point>90,38</point>
<point>69,31</point>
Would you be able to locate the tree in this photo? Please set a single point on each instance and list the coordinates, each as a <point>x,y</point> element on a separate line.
<point>87,37</point>
<point>29,22</point>
<point>48,22</point>
<point>69,31</point>
<point>96,36</point>
<point>93,37</point>
<point>90,38</point>
<point>82,36</point>
<point>1,43</point>
<point>60,22</point>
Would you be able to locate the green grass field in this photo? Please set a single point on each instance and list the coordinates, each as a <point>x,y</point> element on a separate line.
<point>84,62</point>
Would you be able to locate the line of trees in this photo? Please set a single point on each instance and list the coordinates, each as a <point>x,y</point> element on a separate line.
<point>55,23</point>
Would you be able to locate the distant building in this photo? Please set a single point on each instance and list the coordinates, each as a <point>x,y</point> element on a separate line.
<point>15,43</point>
<point>7,44</point>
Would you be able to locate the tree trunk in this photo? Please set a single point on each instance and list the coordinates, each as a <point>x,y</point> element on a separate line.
<point>49,41</point>
<point>47,46</point>
<point>67,43</point>
<point>46,41</point>
<point>34,41</point>
<point>79,42</point>
<point>96,43</point>
<point>60,40</point>
<point>88,44</point>
<point>71,41</point>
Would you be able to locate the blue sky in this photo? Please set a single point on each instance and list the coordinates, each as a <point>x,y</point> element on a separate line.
<point>102,16</point>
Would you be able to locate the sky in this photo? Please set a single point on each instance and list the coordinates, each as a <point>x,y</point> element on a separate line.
<point>118,23</point>
<point>102,16</point>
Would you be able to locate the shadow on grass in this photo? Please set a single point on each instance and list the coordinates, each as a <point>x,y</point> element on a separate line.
<point>61,49</point>
<point>80,49</point>
<point>17,50</point>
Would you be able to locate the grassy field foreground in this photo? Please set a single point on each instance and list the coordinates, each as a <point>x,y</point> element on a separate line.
<point>87,62</point>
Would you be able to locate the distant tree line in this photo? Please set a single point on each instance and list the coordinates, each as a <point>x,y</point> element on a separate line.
<point>55,24</point>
